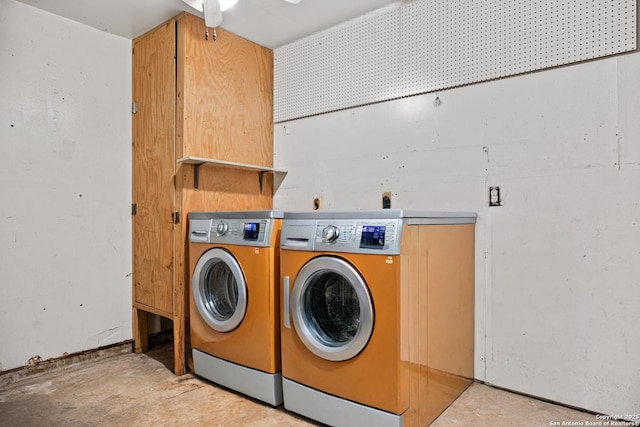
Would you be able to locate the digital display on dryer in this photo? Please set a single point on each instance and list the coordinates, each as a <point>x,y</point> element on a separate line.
<point>372,237</point>
<point>251,230</point>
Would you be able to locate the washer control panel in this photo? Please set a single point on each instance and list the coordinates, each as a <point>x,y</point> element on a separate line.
<point>358,236</point>
<point>368,232</point>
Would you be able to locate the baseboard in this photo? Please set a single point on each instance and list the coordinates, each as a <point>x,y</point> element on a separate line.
<point>55,363</point>
<point>532,396</point>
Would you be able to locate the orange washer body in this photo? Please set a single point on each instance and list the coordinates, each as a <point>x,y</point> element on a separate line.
<point>255,343</point>
<point>420,355</point>
<point>376,377</point>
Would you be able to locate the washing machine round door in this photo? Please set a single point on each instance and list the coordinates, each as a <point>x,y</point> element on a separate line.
<point>332,309</point>
<point>219,290</point>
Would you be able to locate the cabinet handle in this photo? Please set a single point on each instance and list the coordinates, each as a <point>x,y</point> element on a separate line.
<point>287,320</point>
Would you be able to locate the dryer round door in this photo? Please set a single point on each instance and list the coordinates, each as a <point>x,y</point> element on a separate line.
<point>332,309</point>
<point>219,290</point>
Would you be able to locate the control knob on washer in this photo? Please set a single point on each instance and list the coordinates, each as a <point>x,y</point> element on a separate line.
<point>222,228</point>
<point>330,234</point>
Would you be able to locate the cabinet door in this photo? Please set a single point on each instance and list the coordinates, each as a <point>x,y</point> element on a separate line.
<point>227,92</point>
<point>154,82</point>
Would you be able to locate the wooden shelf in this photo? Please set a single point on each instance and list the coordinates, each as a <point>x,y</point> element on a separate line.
<point>278,174</point>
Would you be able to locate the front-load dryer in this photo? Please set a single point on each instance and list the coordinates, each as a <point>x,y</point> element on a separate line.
<point>234,313</point>
<point>377,315</point>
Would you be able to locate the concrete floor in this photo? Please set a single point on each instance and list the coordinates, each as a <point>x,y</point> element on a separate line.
<point>140,390</point>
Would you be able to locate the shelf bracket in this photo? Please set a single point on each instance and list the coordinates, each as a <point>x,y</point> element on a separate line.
<point>196,175</point>
<point>261,179</point>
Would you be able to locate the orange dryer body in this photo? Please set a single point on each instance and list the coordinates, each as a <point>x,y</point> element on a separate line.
<point>234,300</point>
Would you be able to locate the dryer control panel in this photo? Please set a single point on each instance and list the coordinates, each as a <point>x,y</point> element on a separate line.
<point>232,231</point>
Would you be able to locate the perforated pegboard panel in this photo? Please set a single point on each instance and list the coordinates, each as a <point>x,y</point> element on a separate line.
<point>423,46</point>
<point>338,68</point>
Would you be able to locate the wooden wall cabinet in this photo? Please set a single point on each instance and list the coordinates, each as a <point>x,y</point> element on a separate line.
<point>193,98</point>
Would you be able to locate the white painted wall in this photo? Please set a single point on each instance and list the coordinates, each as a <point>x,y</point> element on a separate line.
<point>65,186</point>
<point>558,266</point>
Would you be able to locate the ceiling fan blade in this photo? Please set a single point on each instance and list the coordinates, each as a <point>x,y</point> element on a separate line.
<point>212,13</point>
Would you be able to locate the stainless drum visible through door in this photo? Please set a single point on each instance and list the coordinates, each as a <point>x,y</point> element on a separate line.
<point>219,290</point>
<point>332,309</point>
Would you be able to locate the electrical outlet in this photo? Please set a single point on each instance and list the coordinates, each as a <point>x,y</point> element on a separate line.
<point>494,196</point>
<point>386,200</point>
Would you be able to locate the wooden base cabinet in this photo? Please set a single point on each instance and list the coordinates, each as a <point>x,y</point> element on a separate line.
<point>200,98</point>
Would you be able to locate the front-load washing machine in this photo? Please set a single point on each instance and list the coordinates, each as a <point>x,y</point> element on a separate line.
<point>377,315</point>
<point>234,313</point>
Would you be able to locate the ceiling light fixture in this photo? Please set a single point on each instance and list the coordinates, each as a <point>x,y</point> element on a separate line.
<point>213,9</point>
<point>212,13</point>
<point>227,4</point>
<point>224,4</point>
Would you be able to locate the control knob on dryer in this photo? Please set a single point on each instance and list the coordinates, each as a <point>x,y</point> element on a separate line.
<point>330,234</point>
<point>222,228</point>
